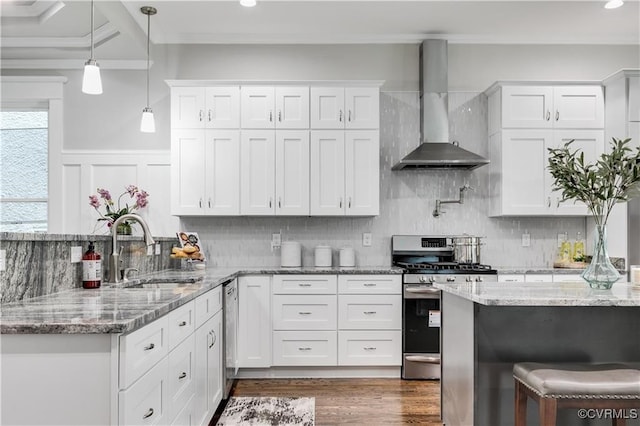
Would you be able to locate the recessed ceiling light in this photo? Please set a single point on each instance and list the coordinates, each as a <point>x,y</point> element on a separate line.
<point>613,4</point>
<point>248,3</point>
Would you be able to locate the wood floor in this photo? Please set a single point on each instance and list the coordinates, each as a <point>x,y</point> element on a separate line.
<point>357,401</point>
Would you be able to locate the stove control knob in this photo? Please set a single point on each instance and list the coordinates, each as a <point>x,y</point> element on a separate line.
<point>451,279</point>
<point>469,279</point>
<point>422,279</point>
<point>432,279</point>
<point>479,279</point>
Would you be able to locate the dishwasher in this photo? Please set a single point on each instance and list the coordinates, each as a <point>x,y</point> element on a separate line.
<point>230,324</point>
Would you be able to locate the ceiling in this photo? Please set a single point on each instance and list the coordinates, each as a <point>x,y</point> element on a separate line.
<point>40,33</point>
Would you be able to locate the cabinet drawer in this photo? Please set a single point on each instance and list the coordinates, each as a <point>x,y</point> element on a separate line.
<point>372,312</point>
<point>185,417</point>
<point>145,403</point>
<point>370,347</point>
<point>511,278</point>
<point>180,378</point>
<point>567,278</point>
<point>308,348</point>
<point>538,278</point>
<point>305,284</point>
<point>207,305</point>
<point>142,349</point>
<point>370,284</point>
<point>302,312</point>
<point>181,323</point>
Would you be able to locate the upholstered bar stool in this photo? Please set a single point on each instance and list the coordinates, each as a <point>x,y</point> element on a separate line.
<point>575,385</point>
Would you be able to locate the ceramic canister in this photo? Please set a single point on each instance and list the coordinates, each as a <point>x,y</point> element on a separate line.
<point>290,254</point>
<point>323,256</point>
<point>347,257</point>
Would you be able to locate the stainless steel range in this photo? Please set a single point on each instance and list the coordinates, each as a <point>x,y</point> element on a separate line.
<point>427,260</point>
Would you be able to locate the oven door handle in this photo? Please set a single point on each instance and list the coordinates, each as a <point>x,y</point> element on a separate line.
<point>422,358</point>
<point>422,290</point>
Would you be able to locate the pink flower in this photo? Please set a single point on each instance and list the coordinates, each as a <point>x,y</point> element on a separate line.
<point>93,201</point>
<point>132,189</point>
<point>104,194</point>
<point>141,199</point>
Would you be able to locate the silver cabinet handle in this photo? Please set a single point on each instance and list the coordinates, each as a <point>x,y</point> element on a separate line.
<point>149,414</point>
<point>349,202</point>
<point>422,358</point>
<point>370,348</point>
<point>213,338</point>
<point>557,202</point>
<point>279,202</point>
<point>209,115</point>
<point>340,202</point>
<point>349,115</point>
<point>279,116</point>
<point>557,115</point>
<point>548,201</point>
<point>182,375</point>
<point>340,116</point>
<point>209,202</point>
<point>369,312</point>
<point>270,202</point>
<point>304,313</point>
<point>369,284</point>
<point>304,284</point>
<point>200,202</point>
<point>548,115</point>
<point>304,349</point>
<point>422,290</point>
<point>200,114</point>
<point>270,116</point>
<point>182,324</point>
<point>149,347</point>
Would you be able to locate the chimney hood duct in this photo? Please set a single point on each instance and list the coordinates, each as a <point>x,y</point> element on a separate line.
<point>435,151</point>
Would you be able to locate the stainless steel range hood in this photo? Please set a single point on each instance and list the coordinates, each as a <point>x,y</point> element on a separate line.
<point>436,151</point>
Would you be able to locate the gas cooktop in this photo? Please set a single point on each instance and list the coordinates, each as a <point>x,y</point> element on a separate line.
<point>444,268</point>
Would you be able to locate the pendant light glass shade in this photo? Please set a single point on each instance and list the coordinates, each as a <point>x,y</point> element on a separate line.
<point>613,4</point>
<point>91,81</point>
<point>148,123</point>
<point>248,3</point>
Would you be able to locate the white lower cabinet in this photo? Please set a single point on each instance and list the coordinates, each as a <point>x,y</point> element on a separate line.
<point>186,416</point>
<point>304,348</point>
<point>181,379</point>
<point>208,369</point>
<point>304,312</point>
<point>254,323</point>
<point>369,312</point>
<point>369,347</point>
<point>146,402</point>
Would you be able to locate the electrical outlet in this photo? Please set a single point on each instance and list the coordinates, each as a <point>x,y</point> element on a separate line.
<point>150,250</point>
<point>158,249</point>
<point>3,260</point>
<point>76,254</point>
<point>366,239</point>
<point>526,240</point>
<point>276,241</point>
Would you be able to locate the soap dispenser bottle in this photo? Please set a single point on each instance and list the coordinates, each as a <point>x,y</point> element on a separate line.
<point>565,249</point>
<point>91,268</point>
<point>578,248</point>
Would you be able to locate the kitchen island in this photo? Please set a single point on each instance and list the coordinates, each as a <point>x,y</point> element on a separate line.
<point>487,327</point>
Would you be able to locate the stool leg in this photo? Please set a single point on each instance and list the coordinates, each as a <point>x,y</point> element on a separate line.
<point>548,409</point>
<point>521,405</point>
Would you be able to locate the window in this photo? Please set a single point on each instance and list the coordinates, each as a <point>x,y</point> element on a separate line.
<point>24,169</point>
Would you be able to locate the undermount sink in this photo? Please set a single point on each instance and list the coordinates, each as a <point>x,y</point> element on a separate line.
<point>160,284</point>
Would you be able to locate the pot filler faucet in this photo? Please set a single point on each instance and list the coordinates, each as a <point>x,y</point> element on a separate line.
<point>114,259</point>
<point>438,211</point>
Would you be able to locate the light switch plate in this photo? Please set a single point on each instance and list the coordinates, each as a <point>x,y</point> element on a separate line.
<point>3,260</point>
<point>366,239</point>
<point>526,240</point>
<point>276,241</point>
<point>158,249</point>
<point>150,250</point>
<point>76,254</point>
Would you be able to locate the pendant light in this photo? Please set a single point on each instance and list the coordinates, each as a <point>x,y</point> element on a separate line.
<point>91,81</point>
<point>148,124</point>
<point>613,4</point>
<point>248,3</point>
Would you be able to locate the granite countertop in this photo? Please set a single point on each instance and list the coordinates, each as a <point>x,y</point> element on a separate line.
<point>544,294</point>
<point>537,270</point>
<point>121,308</point>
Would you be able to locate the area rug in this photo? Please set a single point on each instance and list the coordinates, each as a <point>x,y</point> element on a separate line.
<point>267,411</point>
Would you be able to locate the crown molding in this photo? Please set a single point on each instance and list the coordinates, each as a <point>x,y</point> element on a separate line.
<point>37,11</point>
<point>70,64</point>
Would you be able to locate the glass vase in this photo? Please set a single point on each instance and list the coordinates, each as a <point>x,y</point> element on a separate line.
<point>124,228</point>
<point>600,274</point>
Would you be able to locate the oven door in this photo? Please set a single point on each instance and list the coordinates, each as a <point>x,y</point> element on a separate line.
<point>421,332</point>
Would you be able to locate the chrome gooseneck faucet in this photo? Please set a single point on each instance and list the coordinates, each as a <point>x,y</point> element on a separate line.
<point>114,259</point>
<point>438,211</point>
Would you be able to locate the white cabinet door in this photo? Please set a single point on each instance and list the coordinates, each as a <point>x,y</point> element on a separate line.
<point>208,369</point>
<point>187,107</point>
<point>215,364</point>
<point>257,185</point>
<point>538,278</point>
<point>327,108</point>
<point>292,107</point>
<point>187,172</point>
<point>524,175</point>
<point>327,178</point>
<point>222,107</point>
<point>362,105</point>
<point>146,402</point>
<point>362,172</point>
<point>511,278</point>
<point>578,107</point>
<point>527,107</point>
<point>591,143</point>
<point>257,105</point>
<point>254,322</point>
<point>222,172</point>
<point>180,377</point>
<point>292,172</point>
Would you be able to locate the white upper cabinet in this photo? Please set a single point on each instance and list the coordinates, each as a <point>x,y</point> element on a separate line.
<point>258,165</point>
<point>524,122</point>
<point>205,172</point>
<point>292,172</point>
<point>327,173</point>
<point>546,107</point>
<point>362,172</point>
<point>210,107</point>
<point>340,108</point>
<point>275,107</point>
